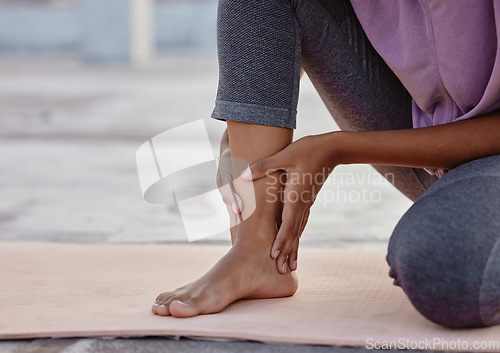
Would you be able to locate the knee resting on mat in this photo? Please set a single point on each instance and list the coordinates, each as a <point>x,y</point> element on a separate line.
<point>445,251</point>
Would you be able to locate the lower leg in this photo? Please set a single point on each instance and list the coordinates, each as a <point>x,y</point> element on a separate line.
<point>259,65</point>
<point>251,142</point>
<point>247,270</point>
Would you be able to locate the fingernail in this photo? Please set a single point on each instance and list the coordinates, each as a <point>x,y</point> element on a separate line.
<point>283,267</point>
<point>247,174</point>
<point>239,202</point>
<point>235,208</point>
<point>294,265</point>
<point>276,253</point>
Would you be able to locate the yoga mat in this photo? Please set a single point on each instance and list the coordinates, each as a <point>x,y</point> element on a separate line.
<point>75,290</point>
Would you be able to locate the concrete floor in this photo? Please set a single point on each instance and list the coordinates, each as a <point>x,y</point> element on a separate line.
<point>156,345</point>
<point>69,135</point>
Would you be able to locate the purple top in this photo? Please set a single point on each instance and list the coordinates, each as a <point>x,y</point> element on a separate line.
<point>444,52</point>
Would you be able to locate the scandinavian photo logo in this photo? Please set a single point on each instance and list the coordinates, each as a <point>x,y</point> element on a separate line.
<point>178,167</point>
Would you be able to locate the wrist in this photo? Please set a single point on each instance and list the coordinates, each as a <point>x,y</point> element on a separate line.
<point>337,143</point>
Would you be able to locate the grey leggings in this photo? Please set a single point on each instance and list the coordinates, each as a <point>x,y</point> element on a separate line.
<point>445,251</point>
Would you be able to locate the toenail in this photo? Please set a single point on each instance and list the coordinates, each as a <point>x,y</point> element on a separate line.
<point>163,306</point>
<point>276,253</point>
<point>155,304</point>
<point>284,267</point>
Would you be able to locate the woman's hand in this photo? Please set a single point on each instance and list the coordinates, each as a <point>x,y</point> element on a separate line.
<point>307,163</point>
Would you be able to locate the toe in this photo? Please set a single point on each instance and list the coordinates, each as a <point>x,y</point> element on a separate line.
<point>183,309</point>
<point>154,309</point>
<point>163,298</point>
<point>163,310</point>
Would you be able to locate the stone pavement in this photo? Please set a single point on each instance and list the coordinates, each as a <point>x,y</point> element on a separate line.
<point>68,135</point>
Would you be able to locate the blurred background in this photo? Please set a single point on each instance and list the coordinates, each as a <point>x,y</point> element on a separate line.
<point>83,83</point>
<point>107,31</point>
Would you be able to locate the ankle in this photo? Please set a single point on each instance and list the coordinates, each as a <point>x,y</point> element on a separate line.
<point>256,233</point>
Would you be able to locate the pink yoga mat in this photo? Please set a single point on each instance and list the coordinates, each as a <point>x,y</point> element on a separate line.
<point>345,298</point>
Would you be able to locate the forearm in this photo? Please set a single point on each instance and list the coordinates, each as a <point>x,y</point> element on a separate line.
<point>442,147</point>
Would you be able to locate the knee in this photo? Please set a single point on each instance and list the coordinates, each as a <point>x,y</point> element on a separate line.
<point>440,294</point>
<point>442,269</point>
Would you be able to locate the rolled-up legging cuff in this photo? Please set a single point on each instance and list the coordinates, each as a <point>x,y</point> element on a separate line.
<point>254,114</point>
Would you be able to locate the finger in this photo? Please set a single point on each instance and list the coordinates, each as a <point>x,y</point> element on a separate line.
<point>262,168</point>
<point>225,184</point>
<point>287,249</point>
<point>294,252</point>
<point>237,204</point>
<point>233,221</point>
<point>293,212</point>
<point>293,256</point>
<point>287,233</point>
<point>282,263</point>
<point>232,200</point>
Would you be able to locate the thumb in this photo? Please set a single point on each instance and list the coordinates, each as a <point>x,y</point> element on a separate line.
<point>260,169</point>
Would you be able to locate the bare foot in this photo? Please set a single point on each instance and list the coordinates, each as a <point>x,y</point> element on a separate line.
<point>246,271</point>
